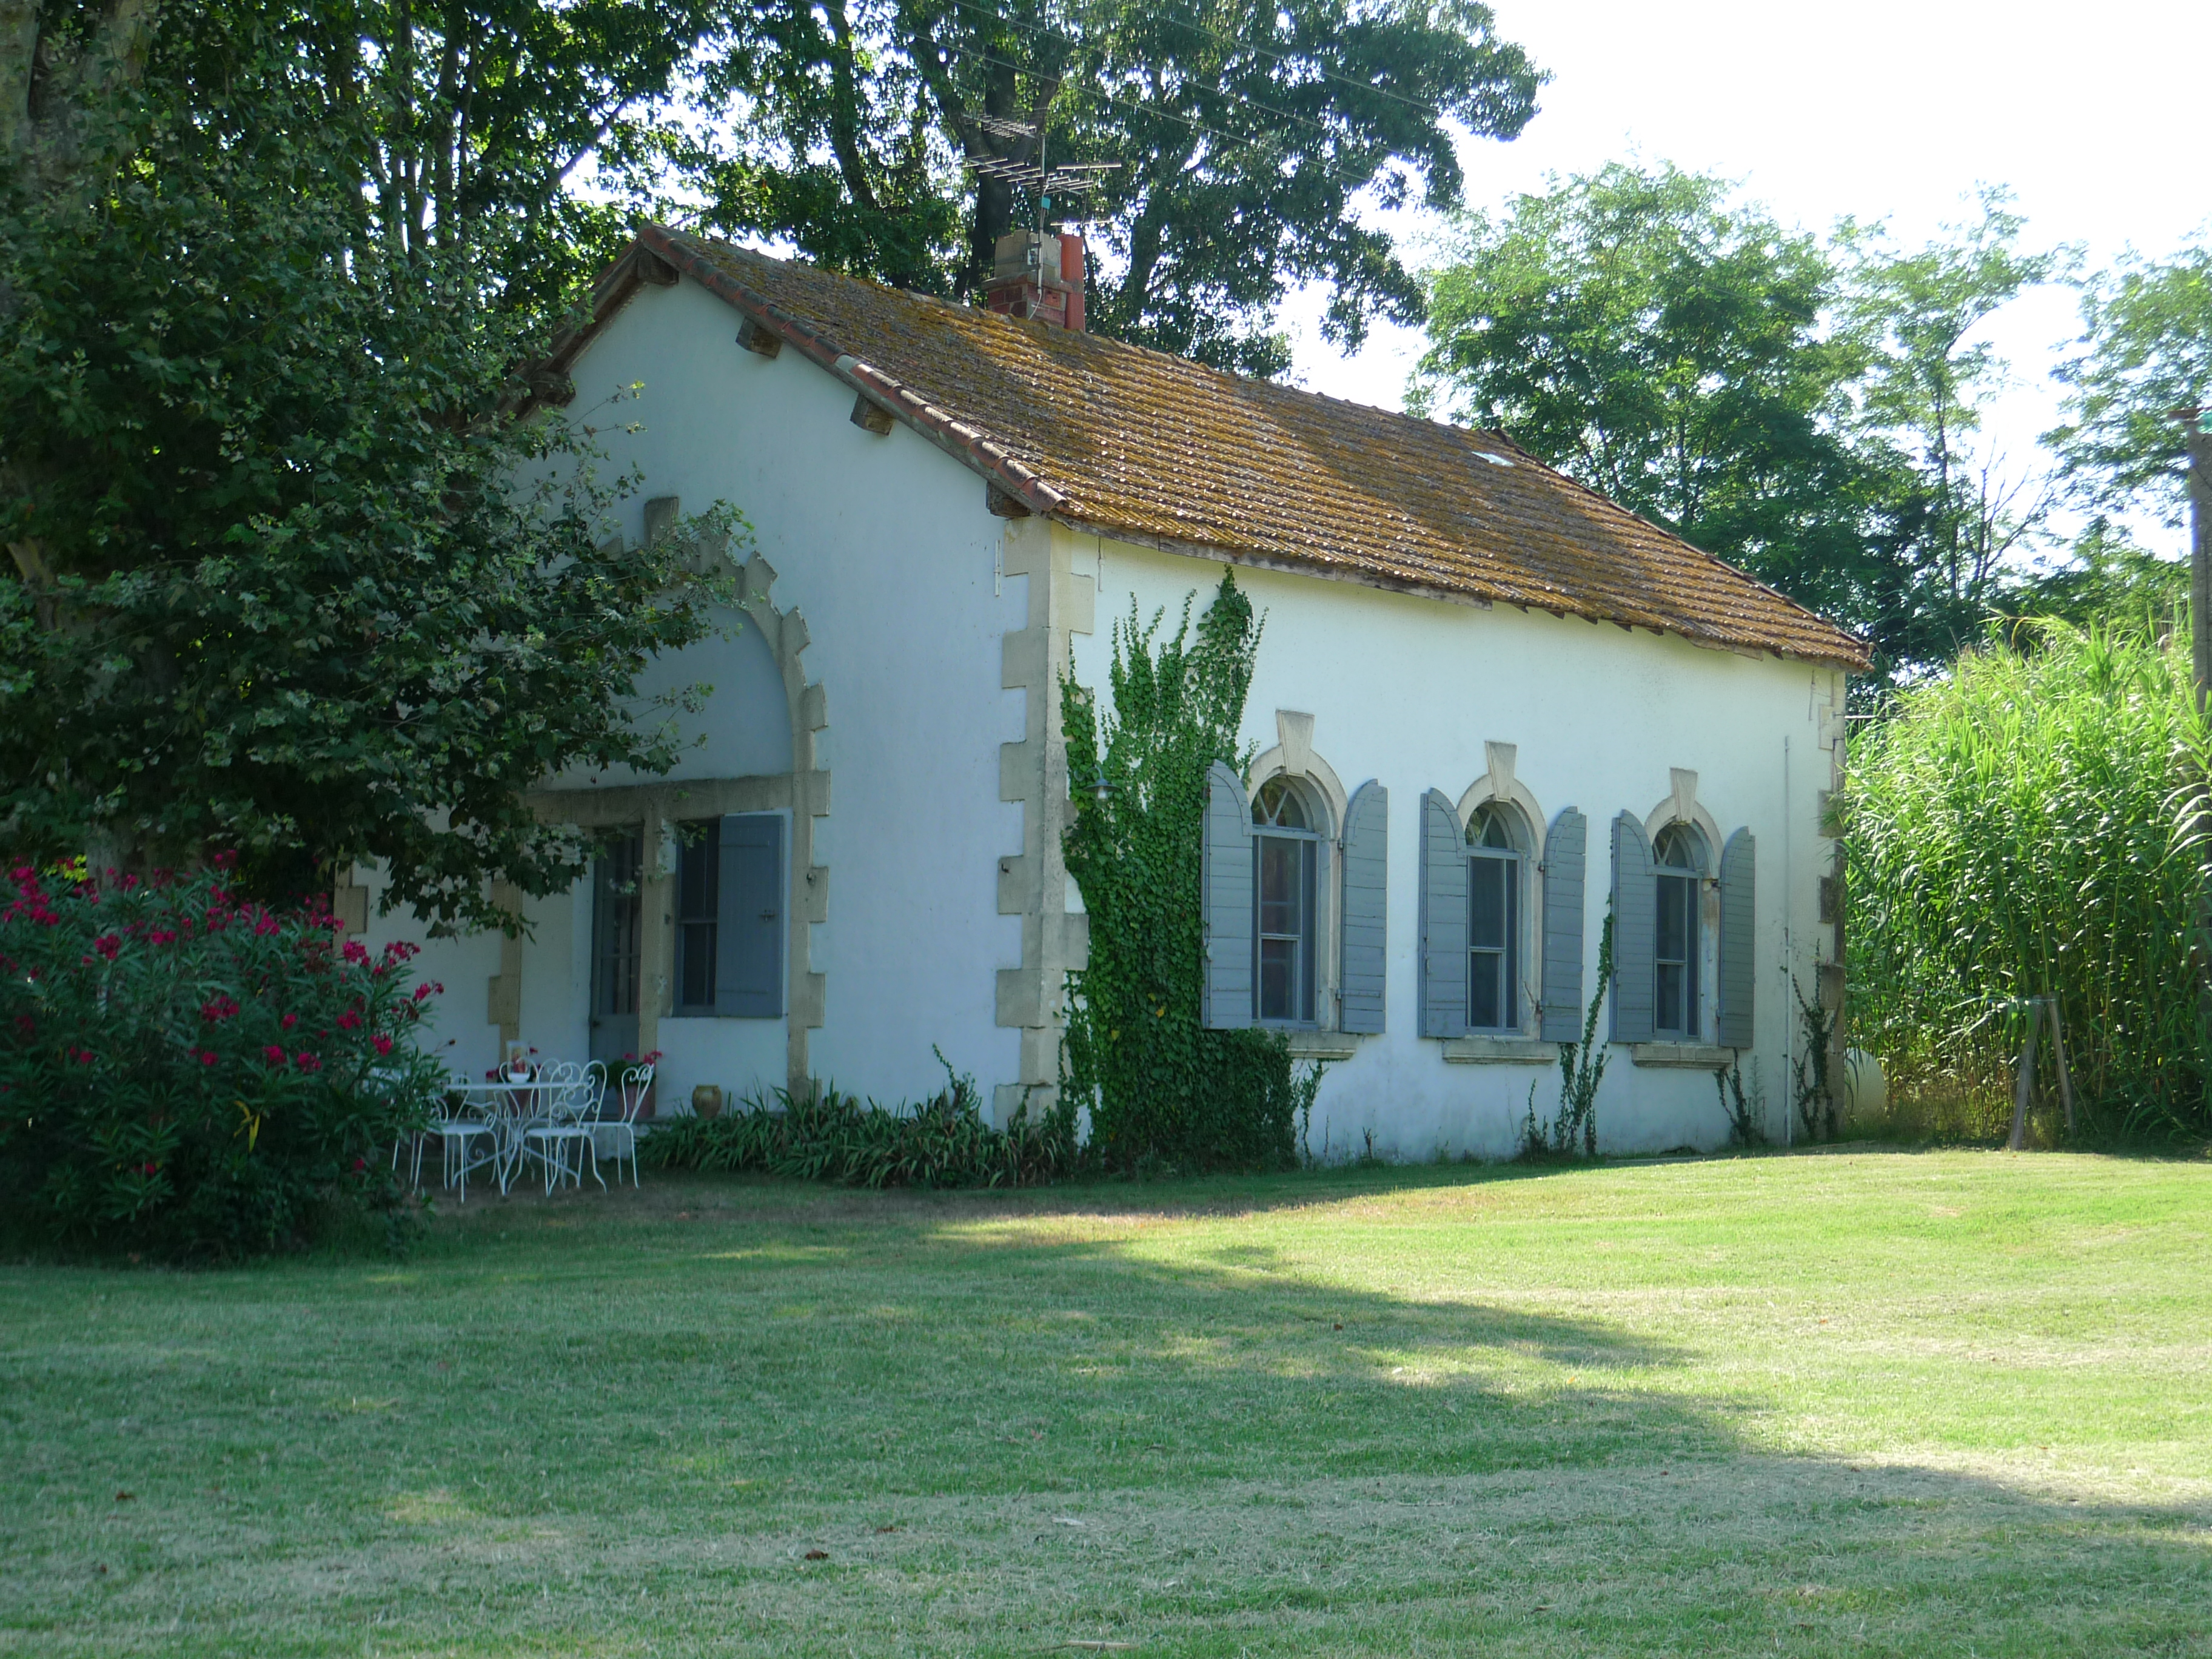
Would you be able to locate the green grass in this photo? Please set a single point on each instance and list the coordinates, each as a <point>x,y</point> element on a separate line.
<point>1862,1403</point>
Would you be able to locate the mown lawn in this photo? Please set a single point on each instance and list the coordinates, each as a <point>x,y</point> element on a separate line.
<point>1862,1403</point>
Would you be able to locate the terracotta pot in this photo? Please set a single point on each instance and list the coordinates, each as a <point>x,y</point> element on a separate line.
<point>706,1101</point>
<point>630,1091</point>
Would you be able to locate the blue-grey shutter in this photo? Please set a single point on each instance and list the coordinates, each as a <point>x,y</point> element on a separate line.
<point>1366,869</point>
<point>749,918</point>
<point>1739,900</point>
<point>1225,901</point>
<point>1635,925</point>
<point>1444,919</point>
<point>1565,853</point>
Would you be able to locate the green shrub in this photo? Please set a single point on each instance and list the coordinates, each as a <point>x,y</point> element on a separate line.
<point>2023,827</point>
<point>836,1138</point>
<point>1163,1092</point>
<point>194,1077</point>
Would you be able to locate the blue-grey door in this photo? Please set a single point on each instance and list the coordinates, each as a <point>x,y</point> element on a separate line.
<point>617,960</point>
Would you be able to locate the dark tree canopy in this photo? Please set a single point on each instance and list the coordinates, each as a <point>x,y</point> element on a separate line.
<point>1245,136</point>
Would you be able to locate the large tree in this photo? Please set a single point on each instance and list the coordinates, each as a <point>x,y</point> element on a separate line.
<point>1804,408</point>
<point>1244,138</point>
<point>2146,353</point>
<point>290,573</point>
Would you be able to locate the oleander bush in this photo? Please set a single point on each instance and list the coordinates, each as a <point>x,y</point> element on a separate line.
<point>833,1137</point>
<point>2028,826</point>
<point>194,1077</point>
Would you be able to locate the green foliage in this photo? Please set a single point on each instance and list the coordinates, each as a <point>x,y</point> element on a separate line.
<point>1160,1090</point>
<point>1243,139</point>
<point>1801,408</point>
<point>276,584</point>
<point>2147,350</point>
<point>1582,1068</point>
<point>1811,1086</point>
<point>835,1137</point>
<point>1747,1118</point>
<point>2025,827</point>
<point>195,1077</point>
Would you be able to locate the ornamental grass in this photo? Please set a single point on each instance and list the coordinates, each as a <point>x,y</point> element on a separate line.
<point>2027,827</point>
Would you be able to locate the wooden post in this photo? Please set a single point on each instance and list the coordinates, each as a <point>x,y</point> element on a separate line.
<point>2200,553</point>
<point>2025,1082</point>
<point>2058,1053</point>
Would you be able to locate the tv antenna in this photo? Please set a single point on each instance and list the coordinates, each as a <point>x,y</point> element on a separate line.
<point>1069,179</point>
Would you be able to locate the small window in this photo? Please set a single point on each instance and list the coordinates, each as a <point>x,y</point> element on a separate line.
<point>698,908</point>
<point>1493,922</point>
<point>1288,853</point>
<point>1680,852</point>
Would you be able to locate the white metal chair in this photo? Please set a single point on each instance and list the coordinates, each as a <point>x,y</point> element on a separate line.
<point>561,1120</point>
<point>619,1131</point>
<point>461,1125</point>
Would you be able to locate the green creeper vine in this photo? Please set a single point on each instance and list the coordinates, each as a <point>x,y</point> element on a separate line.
<point>1163,1092</point>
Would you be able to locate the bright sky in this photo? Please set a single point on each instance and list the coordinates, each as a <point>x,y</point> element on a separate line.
<point>2094,114</point>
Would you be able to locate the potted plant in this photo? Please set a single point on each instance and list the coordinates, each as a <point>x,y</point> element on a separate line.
<point>633,1082</point>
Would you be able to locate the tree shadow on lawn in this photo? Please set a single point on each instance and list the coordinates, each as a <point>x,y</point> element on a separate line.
<point>638,1444</point>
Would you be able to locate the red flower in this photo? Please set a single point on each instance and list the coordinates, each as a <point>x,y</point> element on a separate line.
<point>207,1056</point>
<point>348,1020</point>
<point>424,990</point>
<point>383,1044</point>
<point>265,925</point>
<point>273,1054</point>
<point>290,1020</point>
<point>220,1008</point>
<point>307,1062</point>
<point>355,951</point>
<point>161,936</point>
<point>128,883</point>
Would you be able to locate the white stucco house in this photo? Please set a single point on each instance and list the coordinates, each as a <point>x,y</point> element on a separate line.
<point>1487,701</point>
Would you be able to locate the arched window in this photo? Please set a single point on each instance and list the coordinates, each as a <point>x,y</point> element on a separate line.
<point>1494,866</point>
<point>1679,852</point>
<point>1287,826</point>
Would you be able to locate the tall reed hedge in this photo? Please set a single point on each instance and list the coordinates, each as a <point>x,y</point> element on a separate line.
<point>2025,827</point>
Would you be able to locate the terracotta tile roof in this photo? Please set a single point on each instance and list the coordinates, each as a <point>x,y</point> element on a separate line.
<point>1137,445</point>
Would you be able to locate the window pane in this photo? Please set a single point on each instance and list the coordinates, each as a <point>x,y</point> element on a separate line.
<point>1308,858</point>
<point>1673,922</point>
<point>1485,974</point>
<point>1486,888</point>
<point>1278,885</point>
<point>1276,961</point>
<point>1670,996</point>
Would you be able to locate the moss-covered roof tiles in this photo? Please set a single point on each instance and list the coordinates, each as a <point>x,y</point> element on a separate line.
<point>1131,443</point>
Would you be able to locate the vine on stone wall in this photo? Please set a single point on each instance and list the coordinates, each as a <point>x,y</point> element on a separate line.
<point>1163,1092</point>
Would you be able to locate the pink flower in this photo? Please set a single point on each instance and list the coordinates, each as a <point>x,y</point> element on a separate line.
<point>355,951</point>
<point>273,1054</point>
<point>128,883</point>
<point>424,990</point>
<point>265,925</point>
<point>207,1056</point>
<point>289,1021</point>
<point>383,1044</point>
<point>307,1062</point>
<point>216,1012</point>
<point>348,1020</point>
<point>161,936</point>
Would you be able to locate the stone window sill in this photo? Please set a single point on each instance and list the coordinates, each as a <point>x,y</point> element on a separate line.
<point>1323,1045</point>
<point>1500,1051</point>
<point>1699,1057</point>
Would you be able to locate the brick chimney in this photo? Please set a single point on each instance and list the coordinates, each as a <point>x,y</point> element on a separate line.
<point>1039,275</point>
